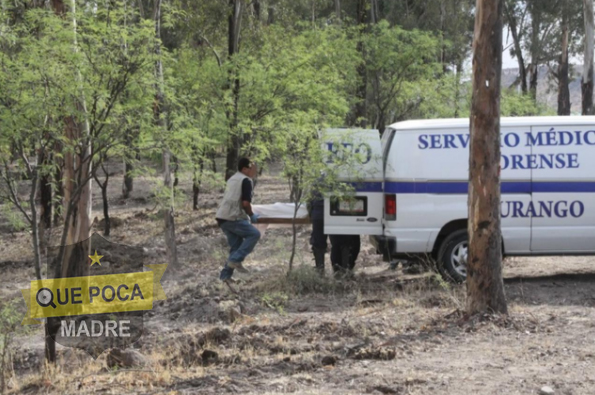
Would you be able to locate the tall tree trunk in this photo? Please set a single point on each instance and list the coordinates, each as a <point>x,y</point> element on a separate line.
<point>160,114</point>
<point>443,33</point>
<point>45,192</point>
<point>257,9</point>
<point>374,12</point>
<point>338,9</point>
<point>176,168</point>
<point>128,182</point>
<point>587,83</point>
<point>197,180</point>
<point>535,50</point>
<point>517,47</point>
<point>36,226</point>
<point>360,111</point>
<point>485,288</point>
<point>59,190</point>
<point>129,159</point>
<point>270,14</point>
<point>235,138</point>
<point>77,194</point>
<point>107,226</point>
<point>563,80</point>
<point>104,198</point>
<point>459,71</point>
<point>77,198</point>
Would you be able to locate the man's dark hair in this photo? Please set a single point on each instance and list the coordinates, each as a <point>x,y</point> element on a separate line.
<point>244,162</point>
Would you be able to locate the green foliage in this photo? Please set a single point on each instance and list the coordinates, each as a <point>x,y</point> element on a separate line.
<point>513,104</point>
<point>299,68</point>
<point>276,301</point>
<point>10,322</point>
<point>402,70</point>
<point>14,219</point>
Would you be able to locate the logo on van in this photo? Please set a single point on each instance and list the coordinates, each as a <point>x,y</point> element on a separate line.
<point>542,209</point>
<point>372,219</point>
<point>342,151</point>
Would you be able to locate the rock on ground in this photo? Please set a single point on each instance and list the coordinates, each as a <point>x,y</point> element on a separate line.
<point>125,358</point>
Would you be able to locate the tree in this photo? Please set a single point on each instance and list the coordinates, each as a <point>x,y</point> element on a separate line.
<point>359,113</point>
<point>233,46</point>
<point>74,59</point>
<point>562,74</point>
<point>515,16</point>
<point>485,288</point>
<point>160,114</point>
<point>397,62</point>
<point>587,81</point>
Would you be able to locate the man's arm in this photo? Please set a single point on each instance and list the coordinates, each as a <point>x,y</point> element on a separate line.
<point>247,196</point>
<point>247,206</point>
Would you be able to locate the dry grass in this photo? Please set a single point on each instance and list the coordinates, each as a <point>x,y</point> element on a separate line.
<point>282,327</point>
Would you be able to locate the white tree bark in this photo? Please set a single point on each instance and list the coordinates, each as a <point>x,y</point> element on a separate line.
<point>160,118</point>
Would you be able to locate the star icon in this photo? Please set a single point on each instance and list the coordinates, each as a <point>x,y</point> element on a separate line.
<point>95,258</point>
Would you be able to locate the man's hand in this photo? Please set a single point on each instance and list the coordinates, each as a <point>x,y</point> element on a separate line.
<point>254,218</point>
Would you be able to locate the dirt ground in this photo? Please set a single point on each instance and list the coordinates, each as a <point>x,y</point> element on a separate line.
<point>381,332</point>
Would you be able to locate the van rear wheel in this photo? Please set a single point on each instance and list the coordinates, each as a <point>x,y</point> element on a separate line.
<point>452,256</point>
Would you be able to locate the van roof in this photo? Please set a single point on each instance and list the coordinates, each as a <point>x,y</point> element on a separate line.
<point>451,123</point>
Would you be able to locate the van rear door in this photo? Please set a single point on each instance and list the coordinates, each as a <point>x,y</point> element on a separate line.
<point>563,205</point>
<point>355,155</point>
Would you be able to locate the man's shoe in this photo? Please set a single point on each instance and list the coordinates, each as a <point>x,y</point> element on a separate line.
<point>237,266</point>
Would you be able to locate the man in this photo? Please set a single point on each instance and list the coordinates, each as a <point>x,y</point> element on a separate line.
<point>317,237</point>
<point>235,216</point>
<point>344,252</point>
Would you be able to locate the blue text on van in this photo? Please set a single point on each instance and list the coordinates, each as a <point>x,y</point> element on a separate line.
<point>542,209</point>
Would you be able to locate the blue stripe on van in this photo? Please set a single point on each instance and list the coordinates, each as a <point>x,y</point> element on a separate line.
<point>461,188</point>
<point>367,186</point>
<point>543,187</point>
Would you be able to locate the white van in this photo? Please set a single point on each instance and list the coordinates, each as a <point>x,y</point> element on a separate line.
<point>413,198</point>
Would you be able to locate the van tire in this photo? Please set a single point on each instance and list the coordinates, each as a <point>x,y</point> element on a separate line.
<point>454,247</point>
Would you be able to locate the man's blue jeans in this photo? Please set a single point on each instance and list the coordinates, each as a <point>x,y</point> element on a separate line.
<point>242,238</point>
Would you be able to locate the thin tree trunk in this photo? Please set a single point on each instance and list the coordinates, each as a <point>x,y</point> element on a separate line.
<point>338,9</point>
<point>485,288</point>
<point>360,111</point>
<point>36,226</point>
<point>563,80</point>
<point>233,147</point>
<point>107,226</point>
<point>374,17</point>
<point>58,192</point>
<point>517,48</point>
<point>257,9</point>
<point>197,181</point>
<point>128,182</point>
<point>176,168</point>
<point>77,195</point>
<point>442,35</point>
<point>45,192</point>
<point>587,82</point>
<point>294,231</point>
<point>103,186</point>
<point>270,14</point>
<point>160,119</point>
<point>535,49</point>
<point>459,70</point>
<point>212,158</point>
